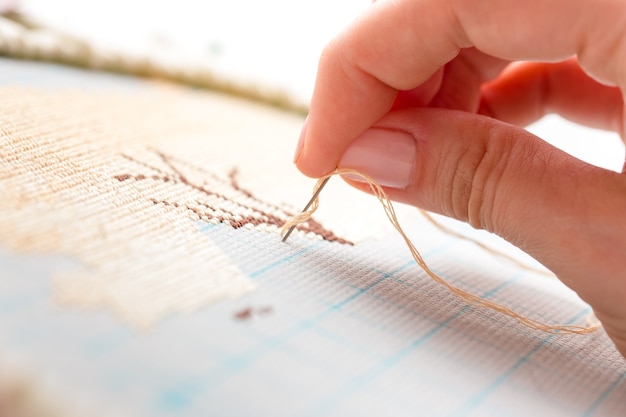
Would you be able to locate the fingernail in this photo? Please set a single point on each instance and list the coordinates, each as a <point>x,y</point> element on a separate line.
<point>388,156</point>
<point>300,141</point>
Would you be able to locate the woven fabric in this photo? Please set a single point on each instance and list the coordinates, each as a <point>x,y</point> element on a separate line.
<point>119,182</point>
<point>81,179</point>
<point>142,269</point>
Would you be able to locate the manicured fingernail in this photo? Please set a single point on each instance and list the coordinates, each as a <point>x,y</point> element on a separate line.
<point>388,156</point>
<point>300,142</point>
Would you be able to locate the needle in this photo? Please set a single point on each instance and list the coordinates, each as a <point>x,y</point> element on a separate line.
<point>317,192</point>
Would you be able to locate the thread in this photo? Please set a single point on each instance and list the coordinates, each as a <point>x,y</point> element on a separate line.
<point>491,251</point>
<point>464,295</point>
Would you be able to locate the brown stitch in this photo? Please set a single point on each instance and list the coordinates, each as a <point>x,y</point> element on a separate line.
<point>181,178</point>
<point>262,218</point>
<point>194,210</point>
<point>171,166</point>
<point>167,159</point>
<point>232,176</point>
<point>244,314</point>
<point>141,177</point>
<point>190,165</point>
<point>247,312</point>
<point>271,219</point>
<point>143,164</point>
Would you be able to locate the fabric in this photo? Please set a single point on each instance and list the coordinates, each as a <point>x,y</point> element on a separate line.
<point>126,201</point>
<point>142,272</point>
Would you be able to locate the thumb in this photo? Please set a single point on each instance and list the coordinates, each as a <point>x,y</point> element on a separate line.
<point>563,212</point>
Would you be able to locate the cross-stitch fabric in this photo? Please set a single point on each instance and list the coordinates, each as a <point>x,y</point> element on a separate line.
<point>143,275</point>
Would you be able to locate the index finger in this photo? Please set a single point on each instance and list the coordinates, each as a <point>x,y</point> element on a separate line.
<point>397,45</point>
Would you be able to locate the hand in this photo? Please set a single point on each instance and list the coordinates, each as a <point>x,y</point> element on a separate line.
<point>404,94</point>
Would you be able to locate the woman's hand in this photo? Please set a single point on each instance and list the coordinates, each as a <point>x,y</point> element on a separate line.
<point>404,94</point>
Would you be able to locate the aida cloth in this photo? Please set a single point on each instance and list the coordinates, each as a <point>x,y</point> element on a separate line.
<point>142,273</point>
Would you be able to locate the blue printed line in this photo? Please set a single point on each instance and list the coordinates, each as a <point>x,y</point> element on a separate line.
<point>360,291</point>
<point>363,379</point>
<point>205,227</point>
<point>243,361</point>
<point>477,400</point>
<point>603,396</point>
<point>282,261</point>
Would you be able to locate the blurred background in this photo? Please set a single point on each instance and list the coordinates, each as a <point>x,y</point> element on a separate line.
<point>271,43</point>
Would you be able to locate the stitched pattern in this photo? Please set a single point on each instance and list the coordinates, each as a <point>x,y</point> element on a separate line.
<point>223,200</point>
<point>83,175</point>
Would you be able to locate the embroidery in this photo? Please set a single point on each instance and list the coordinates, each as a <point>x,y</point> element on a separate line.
<point>123,185</point>
<point>217,199</point>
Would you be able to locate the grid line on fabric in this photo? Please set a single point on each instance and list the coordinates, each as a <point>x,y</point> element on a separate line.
<point>332,404</point>
<point>354,330</point>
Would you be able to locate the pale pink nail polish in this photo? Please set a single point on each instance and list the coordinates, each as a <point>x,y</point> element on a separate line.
<point>388,156</point>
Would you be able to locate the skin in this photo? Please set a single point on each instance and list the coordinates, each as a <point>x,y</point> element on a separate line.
<point>440,71</point>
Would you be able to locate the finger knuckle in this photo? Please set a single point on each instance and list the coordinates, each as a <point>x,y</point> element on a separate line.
<point>479,192</point>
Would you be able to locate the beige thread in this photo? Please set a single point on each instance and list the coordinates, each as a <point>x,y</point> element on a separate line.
<point>490,250</point>
<point>466,296</point>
